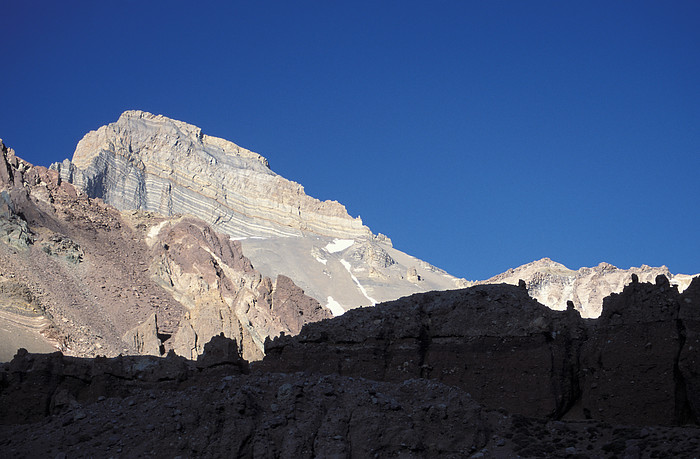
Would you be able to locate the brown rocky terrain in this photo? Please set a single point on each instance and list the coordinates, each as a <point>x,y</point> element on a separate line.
<point>79,276</point>
<point>444,379</point>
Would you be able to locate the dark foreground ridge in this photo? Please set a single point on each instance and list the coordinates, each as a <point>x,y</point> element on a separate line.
<point>480,372</point>
<point>636,364</point>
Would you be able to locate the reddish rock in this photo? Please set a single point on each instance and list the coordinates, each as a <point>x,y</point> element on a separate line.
<point>293,307</point>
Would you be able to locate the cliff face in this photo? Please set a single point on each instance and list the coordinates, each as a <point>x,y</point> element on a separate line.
<point>481,372</point>
<point>153,163</point>
<point>78,275</point>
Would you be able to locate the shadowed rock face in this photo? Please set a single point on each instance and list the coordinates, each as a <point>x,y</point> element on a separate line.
<point>639,363</point>
<point>634,365</point>
<point>464,338</point>
<point>38,385</point>
<point>139,406</point>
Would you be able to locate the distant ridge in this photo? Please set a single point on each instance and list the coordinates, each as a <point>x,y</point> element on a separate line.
<point>553,284</point>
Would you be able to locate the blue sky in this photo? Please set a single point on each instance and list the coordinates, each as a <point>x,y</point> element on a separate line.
<point>478,135</point>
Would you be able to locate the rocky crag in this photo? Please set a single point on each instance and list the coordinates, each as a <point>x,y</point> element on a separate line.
<point>79,276</point>
<point>152,163</point>
<point>637,363</point>
<point>480,372</point>
<point>553,284</point>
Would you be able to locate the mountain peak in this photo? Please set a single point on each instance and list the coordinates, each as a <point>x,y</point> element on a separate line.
<point>155,163</point>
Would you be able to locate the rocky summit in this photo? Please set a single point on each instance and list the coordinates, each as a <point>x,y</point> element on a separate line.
<point>152,163</point>
<point>554,285</point>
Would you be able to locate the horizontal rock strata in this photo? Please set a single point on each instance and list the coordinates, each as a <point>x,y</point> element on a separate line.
<point>103,282</point>
<point>153,163</point>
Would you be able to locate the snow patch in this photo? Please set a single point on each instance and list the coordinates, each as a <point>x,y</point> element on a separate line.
<point>362,289</point>
<point>338,245</point>
<point>323,261</point>
<point>243,238</point>
<point>155,231</point>
<point>335,307</point>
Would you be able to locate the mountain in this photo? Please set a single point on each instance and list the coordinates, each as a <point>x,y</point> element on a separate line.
<point>79,276</point>
<point>152,163</point>
<point>241,359</point>
<point>553,284</point>
<point>209,240</point>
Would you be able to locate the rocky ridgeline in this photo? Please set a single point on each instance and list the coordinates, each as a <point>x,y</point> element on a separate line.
<point>553,284</point>
<point>637,363</point>
<point>481,372</point>
<point>78,275</point>
<point>153,163</point>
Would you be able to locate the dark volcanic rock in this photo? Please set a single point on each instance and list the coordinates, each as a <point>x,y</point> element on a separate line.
<point>222,413</point>
<point>637,364</point>
<point>688,371</point>
<point>489,345</point>
<point>495,342</point>
<point>630,363</point>
<point>33,386</point>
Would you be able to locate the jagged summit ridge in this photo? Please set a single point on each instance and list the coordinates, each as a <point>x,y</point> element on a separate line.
<point>154,163</point>
<point>553,284</point>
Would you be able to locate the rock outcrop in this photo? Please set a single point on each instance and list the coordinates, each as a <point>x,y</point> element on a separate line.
<point>633,365</point>
<point>38,385</point>
<point>101,282</point>
<point>493,341</point>
<point>222,292</point>
<point>553,284</point>
<point>316,405</point>
<point>152,163</point>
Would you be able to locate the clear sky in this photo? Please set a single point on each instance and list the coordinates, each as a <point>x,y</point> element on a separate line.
<point>478,135</point>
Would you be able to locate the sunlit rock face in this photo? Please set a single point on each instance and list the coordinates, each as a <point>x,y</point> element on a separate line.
<point>79,276</point>
<point>553,284</point>
<point>153,163</point>
<point>150,162</point>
